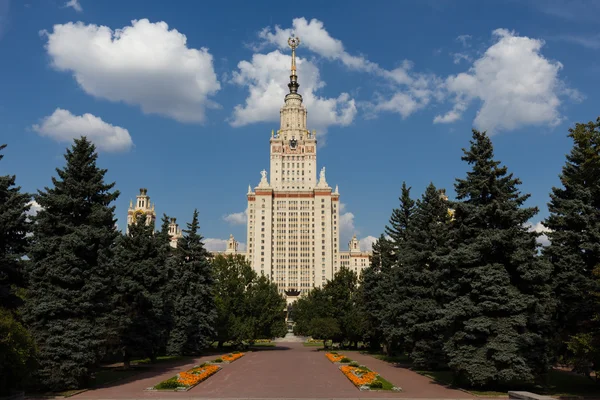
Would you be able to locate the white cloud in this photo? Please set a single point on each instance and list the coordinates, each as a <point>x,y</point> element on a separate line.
<point>366,243</point>
<point>237,218</point>
<point>315,37</point>
<point>458,57</point>
<point>266,76</point>
<point>539,227</point>
<point>410,91</point>
<point>34,208</point>
<point>144,64</point>
<point>346,224</point>
<point>63,126</point>
<point>464,40</point>
<point>74,4</point>
<point>214,244</point>
<point>515,83</point>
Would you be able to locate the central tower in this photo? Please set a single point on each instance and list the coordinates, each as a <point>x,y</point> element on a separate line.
<point>293,218</point>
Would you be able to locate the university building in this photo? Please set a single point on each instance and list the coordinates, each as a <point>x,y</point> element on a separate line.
<point>293,228</point>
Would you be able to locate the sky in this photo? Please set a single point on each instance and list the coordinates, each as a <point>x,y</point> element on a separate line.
<point>180,97</point>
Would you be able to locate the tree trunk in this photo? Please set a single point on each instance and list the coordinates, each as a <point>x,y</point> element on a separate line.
<point>220,344</point>
<point>126,360</point>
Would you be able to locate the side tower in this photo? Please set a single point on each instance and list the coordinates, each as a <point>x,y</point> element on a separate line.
<point>142,207</point>
<point>293,219</point>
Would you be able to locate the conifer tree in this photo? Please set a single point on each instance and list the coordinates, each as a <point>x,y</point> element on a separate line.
<point>13,240</point>
<point>17,350</point>
<point>69,276</point>
<point>167,269</point>
<point>574,249</point>
<point>193,308</point>
<point>400,226</point>
<point>140,279</point>
<point>499,318</point>
<point>376,292</point>
<point>400,219</point>
<point>424,273</point>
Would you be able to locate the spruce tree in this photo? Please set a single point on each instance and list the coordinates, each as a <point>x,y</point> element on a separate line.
<point>400,219</point>
<point>69,276</point>
<point>399,229</point>
<point>499,318</point>
<point>376,292</point>
<point>140,279</point>
<point>13,239</point>
<point>167,270</point>
<point>17,350</point>
<point>424,272</point>
<point>193,307</point>
<point>574,249</point>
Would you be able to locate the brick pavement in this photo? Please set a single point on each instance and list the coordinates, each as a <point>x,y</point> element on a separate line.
<point>289,371</point>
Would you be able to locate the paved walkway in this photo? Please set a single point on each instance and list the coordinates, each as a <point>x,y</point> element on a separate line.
<point>288,371</point>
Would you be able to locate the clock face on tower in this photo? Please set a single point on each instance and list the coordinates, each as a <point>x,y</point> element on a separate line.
<point>293,143</point>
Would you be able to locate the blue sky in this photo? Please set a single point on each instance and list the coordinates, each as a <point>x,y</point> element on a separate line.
<point>183,100</point>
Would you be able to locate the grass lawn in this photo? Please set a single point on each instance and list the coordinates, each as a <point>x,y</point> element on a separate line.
<point>263,344</point>
<point>313,344</point>
<point>560,383</point>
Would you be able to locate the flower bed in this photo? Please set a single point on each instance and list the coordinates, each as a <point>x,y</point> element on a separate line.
<point>232,357</point>
<point>186,380</point>
<point>337,358</point>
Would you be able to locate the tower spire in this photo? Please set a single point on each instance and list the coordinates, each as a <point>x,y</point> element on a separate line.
<point>293,42</point>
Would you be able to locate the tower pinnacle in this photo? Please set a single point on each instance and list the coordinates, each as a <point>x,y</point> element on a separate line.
<point>293,42</point>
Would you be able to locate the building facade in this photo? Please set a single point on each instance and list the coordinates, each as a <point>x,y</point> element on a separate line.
<point>293,214</point>
<point>142,207</point>
<point>293,232</point>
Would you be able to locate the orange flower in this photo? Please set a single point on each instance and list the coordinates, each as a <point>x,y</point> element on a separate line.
<point>196,375</point>
<point>334,357</point>
<point>232,357</point>
<point>359,377</point>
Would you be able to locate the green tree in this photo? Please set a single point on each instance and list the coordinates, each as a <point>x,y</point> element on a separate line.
<point>167,266</point>
<point>17,353</point>
<point>264,310</point>
<point>400,220</point>
<point>499,318</point>
<point>376,294</point>
<point>425,273</point>
<point>342,293</point>
<point>193,306</point>
<point>326,329</point>
<point>315,304</point>
<point>70,276</point>
<point>398,315</point>
<point>140,279</point>
<point>574,249</point>
<point>14,227</point>
<point>233,277</point>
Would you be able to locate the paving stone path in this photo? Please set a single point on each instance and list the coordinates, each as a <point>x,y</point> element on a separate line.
<point>288,371</point>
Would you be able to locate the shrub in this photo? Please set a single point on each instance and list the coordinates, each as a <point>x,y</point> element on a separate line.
<point>333,352</point>
<point>17,353</point>
<point>235,352</point>
<point>345,360</point>
<point>218,360</point>
<point>376,385</point>
<point>354,364</point>
<point>168,384</point>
